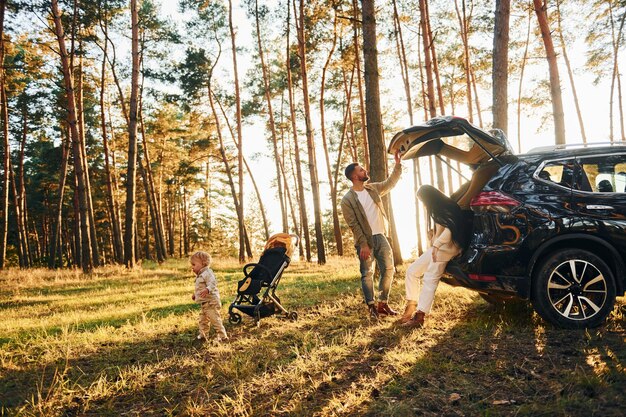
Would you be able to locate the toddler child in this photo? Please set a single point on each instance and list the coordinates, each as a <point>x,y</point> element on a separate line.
<point>207,295</point>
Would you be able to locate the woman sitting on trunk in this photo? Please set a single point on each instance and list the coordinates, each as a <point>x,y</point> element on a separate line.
<point>448,238</point>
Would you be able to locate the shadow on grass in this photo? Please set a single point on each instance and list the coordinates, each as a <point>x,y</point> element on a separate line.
<point>15,304</point>
<point>102,284</point>
<point>18,387</point>
<point>13,383</point>
<point>509,362</point>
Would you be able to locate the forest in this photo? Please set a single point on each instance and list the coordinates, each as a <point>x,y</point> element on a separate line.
<point>135,130</point>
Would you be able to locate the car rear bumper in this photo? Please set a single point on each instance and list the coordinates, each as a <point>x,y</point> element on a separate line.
<point>508,285</point>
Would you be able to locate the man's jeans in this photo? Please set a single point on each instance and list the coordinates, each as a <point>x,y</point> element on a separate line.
<point>381,252</point>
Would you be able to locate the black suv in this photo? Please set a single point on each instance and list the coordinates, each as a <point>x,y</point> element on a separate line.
<point>548,225</point>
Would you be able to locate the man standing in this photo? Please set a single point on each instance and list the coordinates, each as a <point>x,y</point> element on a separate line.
<point>363,210</point>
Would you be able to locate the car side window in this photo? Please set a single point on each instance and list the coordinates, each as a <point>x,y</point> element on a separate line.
<point>605,174</point>
<point>559,172</point>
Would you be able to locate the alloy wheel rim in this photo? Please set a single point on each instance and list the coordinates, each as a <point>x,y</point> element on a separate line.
<point>577,289</point>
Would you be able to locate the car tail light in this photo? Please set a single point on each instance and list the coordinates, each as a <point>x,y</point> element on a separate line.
<point>481,277</point>
<point>493,201</point>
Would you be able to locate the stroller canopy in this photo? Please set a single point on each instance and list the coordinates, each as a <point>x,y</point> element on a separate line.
<point>282,240</point>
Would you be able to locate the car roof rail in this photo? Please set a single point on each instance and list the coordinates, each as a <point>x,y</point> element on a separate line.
<point>541,149</point>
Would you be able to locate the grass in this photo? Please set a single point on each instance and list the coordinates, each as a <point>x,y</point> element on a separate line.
<point>123,343</point>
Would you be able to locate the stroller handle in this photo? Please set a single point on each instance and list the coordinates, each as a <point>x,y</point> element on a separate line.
<point>247,273</point>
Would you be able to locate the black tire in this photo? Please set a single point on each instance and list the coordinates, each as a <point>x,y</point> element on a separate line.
<point>573,289</point>
<point>234,318</point>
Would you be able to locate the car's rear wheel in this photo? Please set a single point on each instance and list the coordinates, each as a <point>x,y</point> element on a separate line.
<point>574,289</point>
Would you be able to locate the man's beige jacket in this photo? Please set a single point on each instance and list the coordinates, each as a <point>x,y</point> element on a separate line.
<point>353,211</point>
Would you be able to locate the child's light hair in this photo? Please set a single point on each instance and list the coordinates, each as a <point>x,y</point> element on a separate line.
<point>202,256</point>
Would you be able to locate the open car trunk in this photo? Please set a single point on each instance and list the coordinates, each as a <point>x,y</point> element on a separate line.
<point>488,152</point>
<point>425,139</point>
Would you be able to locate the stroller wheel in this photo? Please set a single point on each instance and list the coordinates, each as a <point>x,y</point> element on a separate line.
<point>234,318</point>
<point>293,316</point>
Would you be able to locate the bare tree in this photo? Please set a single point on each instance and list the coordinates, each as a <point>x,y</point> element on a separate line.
<point>242,256</point>
<point>404,71</point>
<point>501,65</point>
<point>333,191</point>
<point>304,222</point>
<point>272,123</point>
<point>131,172</point>
<point>570,73</point>
<point>4,223</point>
<point>362,110</point>
<point>83,220</point>
<point>521,80</point>
<point>555,83</point>
<point>310,140</point>
<point>378,160</point>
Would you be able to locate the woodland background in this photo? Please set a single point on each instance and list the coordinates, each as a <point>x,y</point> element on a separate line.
<point>133,130</point>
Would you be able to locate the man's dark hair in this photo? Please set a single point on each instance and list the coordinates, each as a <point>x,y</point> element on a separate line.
<point>349,169</point>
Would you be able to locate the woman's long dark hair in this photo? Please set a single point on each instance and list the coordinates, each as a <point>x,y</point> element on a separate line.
<point>444,211</point>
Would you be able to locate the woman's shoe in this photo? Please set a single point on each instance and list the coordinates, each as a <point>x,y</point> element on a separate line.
<point>416,321</point>
<point>409,310</point>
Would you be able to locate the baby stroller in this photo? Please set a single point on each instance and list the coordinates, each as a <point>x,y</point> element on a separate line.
<point>264,276</point>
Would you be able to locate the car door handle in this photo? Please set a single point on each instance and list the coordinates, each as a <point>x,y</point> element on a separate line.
<point>598,207</point>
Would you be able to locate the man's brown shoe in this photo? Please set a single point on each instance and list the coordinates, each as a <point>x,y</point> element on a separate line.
<point>409,310</point>
<point>384,309</point>
<point>416,321</point>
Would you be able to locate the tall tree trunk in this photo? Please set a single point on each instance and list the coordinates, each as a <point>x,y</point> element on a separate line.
<point>185,221</point>
<point>570,73</point>
<point>404,71</point>
<point>555,83</point>
<point>131,172</point>
<point>317,210</point>
<point>362,108</point>
<point>4,222</point>
<point>272,124</point>
<point>242,256</point>
<point>77,237</point>
<point>170,211</point>
<point>463,26</point>
<point>227,167</point>
<point>333,192</point>
<point>86,261</point>
<point>56,260</point>
<point>21,191</point>
<point>254,185</point>
<point>428,64</point>
<point>378,160</point>
<point>442,110</point>
<point>615,76</point>
<point>287,188</point>
<point>521,80</point>
<point>351,138</point>
<point>116,229</point>
<point>304,222</point>
<point>150,211</point>
<point>155,214</point>
<point>19,222</point>
<point>500,73</point>
<point>95,253</point>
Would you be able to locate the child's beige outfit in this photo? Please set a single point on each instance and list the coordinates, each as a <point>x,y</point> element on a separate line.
<point>210,305</point>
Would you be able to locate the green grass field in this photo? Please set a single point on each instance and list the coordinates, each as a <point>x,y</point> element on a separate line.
<point>122,343</point>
